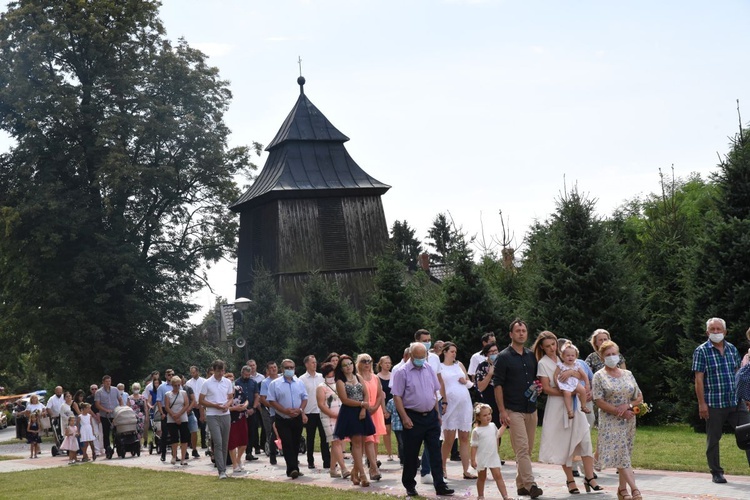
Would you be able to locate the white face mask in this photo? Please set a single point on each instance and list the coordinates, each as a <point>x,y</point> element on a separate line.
<point>611,361</point>
<point>716,338</point>
<point>329,380</point>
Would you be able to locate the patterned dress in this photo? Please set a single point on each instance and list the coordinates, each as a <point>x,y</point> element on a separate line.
<point>333,403</point>
<point>616,435</point>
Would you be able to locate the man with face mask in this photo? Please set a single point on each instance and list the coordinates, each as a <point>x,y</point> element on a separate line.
<point>715,363</point>
<point>288,396</point>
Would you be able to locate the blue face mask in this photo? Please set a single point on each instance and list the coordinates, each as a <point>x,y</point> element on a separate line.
<point>427,345</point>
<point>418,362</point>
<point>289,373</point>
<point>493,357</point>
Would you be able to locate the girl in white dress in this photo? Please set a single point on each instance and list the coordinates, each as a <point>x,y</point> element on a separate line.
<point>87,431</point>
<point>484,449</point>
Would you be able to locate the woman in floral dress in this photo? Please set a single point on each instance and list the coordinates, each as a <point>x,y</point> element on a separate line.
<point>615,392</point>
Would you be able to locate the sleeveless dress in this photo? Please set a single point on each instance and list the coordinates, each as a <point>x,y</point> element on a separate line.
<point>87,431</point>
<point>569,385</point>
<point>33,437</point>
<point>386,386</point>
<point>378,419</point>
<point>485,440</point>
<point>348,423</point>
<point>333,402</point>
<point>458,412</point>
<point>70,443</point>
<point>562,438</point>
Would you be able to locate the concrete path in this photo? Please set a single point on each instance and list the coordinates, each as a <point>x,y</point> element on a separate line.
<point>654,484</point>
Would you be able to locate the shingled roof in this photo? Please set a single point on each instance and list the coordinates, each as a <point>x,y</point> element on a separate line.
<point>307,158</point>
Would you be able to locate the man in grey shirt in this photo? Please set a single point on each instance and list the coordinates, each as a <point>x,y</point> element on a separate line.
<point>107,398</point>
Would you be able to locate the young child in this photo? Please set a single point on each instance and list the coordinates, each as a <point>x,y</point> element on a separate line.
<point>484,454</point>
<point>397,427</point>
<point>70,443</point>
<point>569,355</point>
<point>86,431</point>
<point>32,435</point>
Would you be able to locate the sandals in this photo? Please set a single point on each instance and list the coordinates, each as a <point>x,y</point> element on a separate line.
<point>574,490</point>
<point>469,475</point>
<point>589,486</point>
<point>570,414</point>
<point>345,474</point>
<point>620,496</point>
<point>636,496</point>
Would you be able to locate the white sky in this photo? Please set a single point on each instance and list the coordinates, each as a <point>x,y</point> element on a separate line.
<point>474,106</point>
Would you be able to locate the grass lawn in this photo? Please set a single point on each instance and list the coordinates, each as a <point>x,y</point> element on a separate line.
<point>85,481</point>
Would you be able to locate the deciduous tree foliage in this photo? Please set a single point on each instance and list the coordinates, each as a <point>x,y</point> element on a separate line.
<point>114,194</point>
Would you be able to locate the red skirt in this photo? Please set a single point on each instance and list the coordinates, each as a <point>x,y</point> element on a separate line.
<point>238,434</point>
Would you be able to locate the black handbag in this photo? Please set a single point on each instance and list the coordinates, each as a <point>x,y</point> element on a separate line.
<point>742,433</point>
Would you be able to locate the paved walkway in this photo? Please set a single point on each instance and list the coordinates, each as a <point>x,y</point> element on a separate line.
<point>653,484</point>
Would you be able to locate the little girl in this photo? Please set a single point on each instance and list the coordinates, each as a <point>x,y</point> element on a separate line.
<point>70,443</point>
<point>484,454</point>
<point>87,431</point>
<point>32,435</point>
<point>569,355</point>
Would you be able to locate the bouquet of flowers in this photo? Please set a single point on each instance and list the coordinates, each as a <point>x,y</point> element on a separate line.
<point>641,409</point>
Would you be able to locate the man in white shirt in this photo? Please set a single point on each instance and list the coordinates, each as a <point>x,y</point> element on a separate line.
<point>53,409</point>
<point>216,397</point>
<point>477,358</point>
<point>196,383</point>
<point>312,380</point>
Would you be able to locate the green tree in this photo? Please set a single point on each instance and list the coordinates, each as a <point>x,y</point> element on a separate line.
<point>467,307</point>
<point>442,237</point>
<point>114,194</point>
<point>660,234</point>
<point>393,313</point>
<point>721,284</point>
<point>406,246</point>
<point>578,280</point>
<point>328,322</point>
<point>270,324</point>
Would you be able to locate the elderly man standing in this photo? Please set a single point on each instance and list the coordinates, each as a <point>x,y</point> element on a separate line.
<point>288,396</point>
<point>107,398</point>
<point>414,388</point>
<point>715,363</point>
<point>216,397</point>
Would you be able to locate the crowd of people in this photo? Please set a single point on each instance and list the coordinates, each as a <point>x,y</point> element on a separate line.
<point>429,400</point>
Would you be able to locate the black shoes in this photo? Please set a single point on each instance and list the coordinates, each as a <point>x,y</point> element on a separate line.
<point>310,466</point>
<point>718,477</point>
<point>196,454</point>
<point>249,457</point>
<point>444,491</point>
<point>294,474</point>
<point>273,459</point>
<point>412,493</point>
<point>533,492</point>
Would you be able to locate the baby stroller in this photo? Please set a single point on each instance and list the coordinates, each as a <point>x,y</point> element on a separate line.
<point>155,423</point>
<point>57,434</point>
<point>125,423</point>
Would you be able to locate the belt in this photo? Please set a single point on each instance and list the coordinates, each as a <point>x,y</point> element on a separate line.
<point>421,413</point>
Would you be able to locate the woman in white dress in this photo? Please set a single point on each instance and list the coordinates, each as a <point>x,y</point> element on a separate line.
<point>562,438</point>
<point>456,407</point>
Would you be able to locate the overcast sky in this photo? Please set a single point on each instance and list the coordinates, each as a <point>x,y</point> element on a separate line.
<point>475,106</point>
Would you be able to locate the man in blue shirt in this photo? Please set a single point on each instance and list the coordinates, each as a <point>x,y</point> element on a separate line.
<point>252,393</point>
<point>288,396</point>
<point>715,363</point>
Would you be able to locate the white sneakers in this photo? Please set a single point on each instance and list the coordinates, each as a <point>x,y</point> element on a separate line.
<point>427,479</point>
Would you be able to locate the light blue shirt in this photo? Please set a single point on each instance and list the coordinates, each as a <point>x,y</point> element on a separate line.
<point>161,391</point>
<point>287,393</point>
<point>264,392</point>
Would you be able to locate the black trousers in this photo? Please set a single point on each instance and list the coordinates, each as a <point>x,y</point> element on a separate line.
<point>107,431</point>
<point>290,433</point>
<point>253,424</point>
<point>313,424</point>
<point>165,442</point>
<point>426,430</point>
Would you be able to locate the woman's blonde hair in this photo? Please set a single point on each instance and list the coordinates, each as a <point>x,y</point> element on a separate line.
<point>596,333</point>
